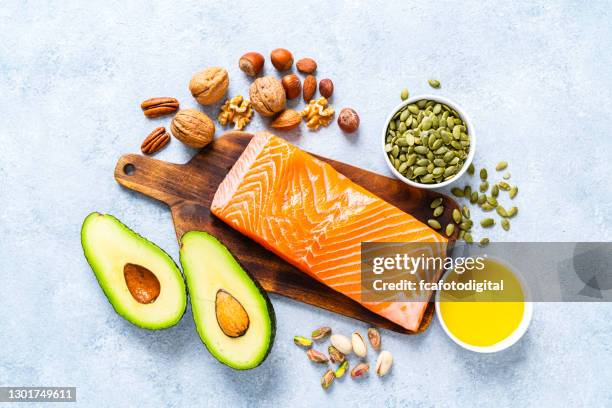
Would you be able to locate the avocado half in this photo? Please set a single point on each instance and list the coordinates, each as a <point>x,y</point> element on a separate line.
<point>140,280</point>
<point>232,313</point>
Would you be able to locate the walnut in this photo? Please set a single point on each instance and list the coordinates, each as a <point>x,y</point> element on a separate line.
<point>193,128</point>
<point>209,86</point>
<point>317,114</point>
<point>267,96</point>
<point>237,111</point>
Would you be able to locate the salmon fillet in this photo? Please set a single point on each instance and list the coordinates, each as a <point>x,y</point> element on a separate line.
<point>315,218</point>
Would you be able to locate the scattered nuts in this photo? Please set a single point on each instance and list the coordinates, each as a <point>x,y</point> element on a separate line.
<point>321,332</point>
<point>326,87</point>
<point>281,59</point>
<point>374,337</point>
<point>359,370</point>
<point>316,356</point>
<point>210,85</point>
<point>155,141</point>
<point>306,65</point>
<point>341,343</point>
<point>341,370</point>
<point>156,107</point>
<point>251,63</point>
<point>327,379</point>
<point>310,87</point>
<point>317,114</point>
<point>335,355</point>
<point>193,128</point>
<point>359,346</point>
<point>237,111</point>
<point>348,120</point>
<point>287,120</point>
<point>292,85</point>
<point>302,341</point>
<point>383,363</point>
<point>267,95</point>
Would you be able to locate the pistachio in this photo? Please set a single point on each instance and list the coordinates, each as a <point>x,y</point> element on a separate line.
<point>360,370</point>
<point>438,211</point>
<point>404,95</point>
<point>505,224</point>
<point>471,169</point>
<point>327,379</point>
<point>436,203</point>
<point>481,199</point>
<point>316,356</point>
<point>512,212</point>
<point>456,216</point>
<point>335,355</point>
<point>487,207</point>
<point>501,165</point>
<point>342,343</point>
<point>434,83</point>
<point>467,191</point>
<point>374,337</point>
<point>450,228</point>
<point>513,192</point>
<point>506,175</point>
<point>321,333</point>
<point>484,186</point>
<point>487,222</point>
<point>492,201</point>
<point>359,346</point>
<point>474,197</point>
<point>466,225</point>
<point>483,174</point>
<point>434,224</point>
<point>484,242</point>
<point>468,238</point>
<point>466,211</point>
<point>341,370</point>
<point>501,211</point>
<point>503,185</point>
<point>457,192</point>
<point>383,363</point>
<point>302,341</point>
<point>495,190</point>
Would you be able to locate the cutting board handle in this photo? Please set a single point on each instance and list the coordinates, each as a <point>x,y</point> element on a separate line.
<point>154,178</point>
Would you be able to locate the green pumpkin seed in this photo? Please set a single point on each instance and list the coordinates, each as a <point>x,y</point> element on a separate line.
<point>450,228</point>
<point>468,238</point>
<point>421,150</point>
<point>501,211</point>
<point>401,142</point>
<point>427,179</point>
<point>503,185</point>
<point>474,197</point>
<point>388,147</point>
<point>434,83</point>
<point>421,104</point>
<point>505,224</point>
<point>404,116</point>
<point>434,224</point>
<point>487,222</point>
<point>467,191</point>
<point>450,171</point>
<point>438,211</point>
<point>484,242</point>
<point>402,167</point>
<point>487,207</point>
<point>457,192</point>
<point>482,199</point>
<point>513,192</point>
<point>512,212</point>
<point>466,225</point>
<point>501,165</point>
<point>437,144</point>
<point>492,201</point>
<point>438,171</point>
<point>466,211</point>
<point>436,202</point>
<point>413,109</point>
<point>484,186</point>
<point>495,190</point>
<point>471,169</point>
<point>411,159</point>
<point>426,124</point>
<point>430,167</point>
<point>483,174</point>
<point>448,156</point>
<point>404,95</point>
<point>420,171</point>
<point>457,216</point>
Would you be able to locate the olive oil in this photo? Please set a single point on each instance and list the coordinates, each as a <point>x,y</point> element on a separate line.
<point>486,318</point>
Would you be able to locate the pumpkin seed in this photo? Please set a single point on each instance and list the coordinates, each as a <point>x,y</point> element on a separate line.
<point>471,169</point>
<point>505,224</point>
<point>487,222</point>
<point>413,109</point>
<point>474,197</point>
<point>486,207</point>
<point>438,171</point>
<point>450,171</point>
<point>468,238</point>
<point>434,83</point>
<point>484,242</point>
<point>411,159</point>
<point>492,201</point>
<point>512,212</point>
<point>450,228</point>
<point>402,167</point>
<point>482,198</point>
<point>513,192</point>
<point>466,211</point>
<point>495,190</point>
<point>501,165</point>
<point>434,224</point>
<point>388,147</point>
<point>483,174</point>
<point>503,185</point>
<point>427,179</point>
<point>395,151</point>
<point>421,150</point>
<point>404,116</point>
<point>438,211</point>
<point>456,216</point>
<point>467,191</point>
<point>436,202</point>
<point>420,171</point>
<point>404,95</point>
<point>501,211</point>
<point>484,186</point>
<point>457,192</point>
<point>466,225</point>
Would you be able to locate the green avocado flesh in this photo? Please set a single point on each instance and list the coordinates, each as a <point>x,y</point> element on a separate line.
<point>140,280</point>
<point>232,313</point>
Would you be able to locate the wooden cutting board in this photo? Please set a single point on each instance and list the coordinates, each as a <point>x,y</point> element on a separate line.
<point>188,190</point>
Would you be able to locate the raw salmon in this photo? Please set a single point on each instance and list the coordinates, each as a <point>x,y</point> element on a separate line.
<point>315,218</point>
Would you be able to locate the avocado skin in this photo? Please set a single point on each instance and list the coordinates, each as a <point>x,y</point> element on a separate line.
<point>261,290</point>
<point>90,262</point>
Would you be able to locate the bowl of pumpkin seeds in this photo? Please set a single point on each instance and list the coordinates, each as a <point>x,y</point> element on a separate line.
<point>428,141</point>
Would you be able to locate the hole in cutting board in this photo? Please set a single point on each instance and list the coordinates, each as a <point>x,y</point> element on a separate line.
<point>129,169</point>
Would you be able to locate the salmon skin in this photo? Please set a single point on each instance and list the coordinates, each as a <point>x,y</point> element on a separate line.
<point>315,218</point>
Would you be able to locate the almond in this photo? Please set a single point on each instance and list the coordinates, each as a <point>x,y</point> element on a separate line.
<point>309,87</point>
<point>306,65</point>
<point>287,120</point>
<point>292,85</point>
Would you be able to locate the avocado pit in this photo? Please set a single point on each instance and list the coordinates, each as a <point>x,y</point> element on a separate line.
<point>231,316</point>
<point>142,283</point>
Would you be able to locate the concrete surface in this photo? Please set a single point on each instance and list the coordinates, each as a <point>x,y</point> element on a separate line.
<point>535,79</point>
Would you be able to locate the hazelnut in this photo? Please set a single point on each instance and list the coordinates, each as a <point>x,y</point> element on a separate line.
<point>251,63</point>
<point>326,87</point>
<point>267,95</point>
<point>210,85</point>
<point>292,85</point>
<point>310,87</point>
<point>193,128</point>
<point>348,120</point>
<point>281,59</point>
<point>306,65</point>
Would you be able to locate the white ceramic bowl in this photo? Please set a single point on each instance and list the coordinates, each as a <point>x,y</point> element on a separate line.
<point>470,132</point>
<point>508,341</point>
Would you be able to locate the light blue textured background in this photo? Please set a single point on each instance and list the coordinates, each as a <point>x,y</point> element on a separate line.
<point>535,80</point>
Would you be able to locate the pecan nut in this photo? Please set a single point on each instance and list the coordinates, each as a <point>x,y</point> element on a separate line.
<point>156,141</point>
<point>156,107</point>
